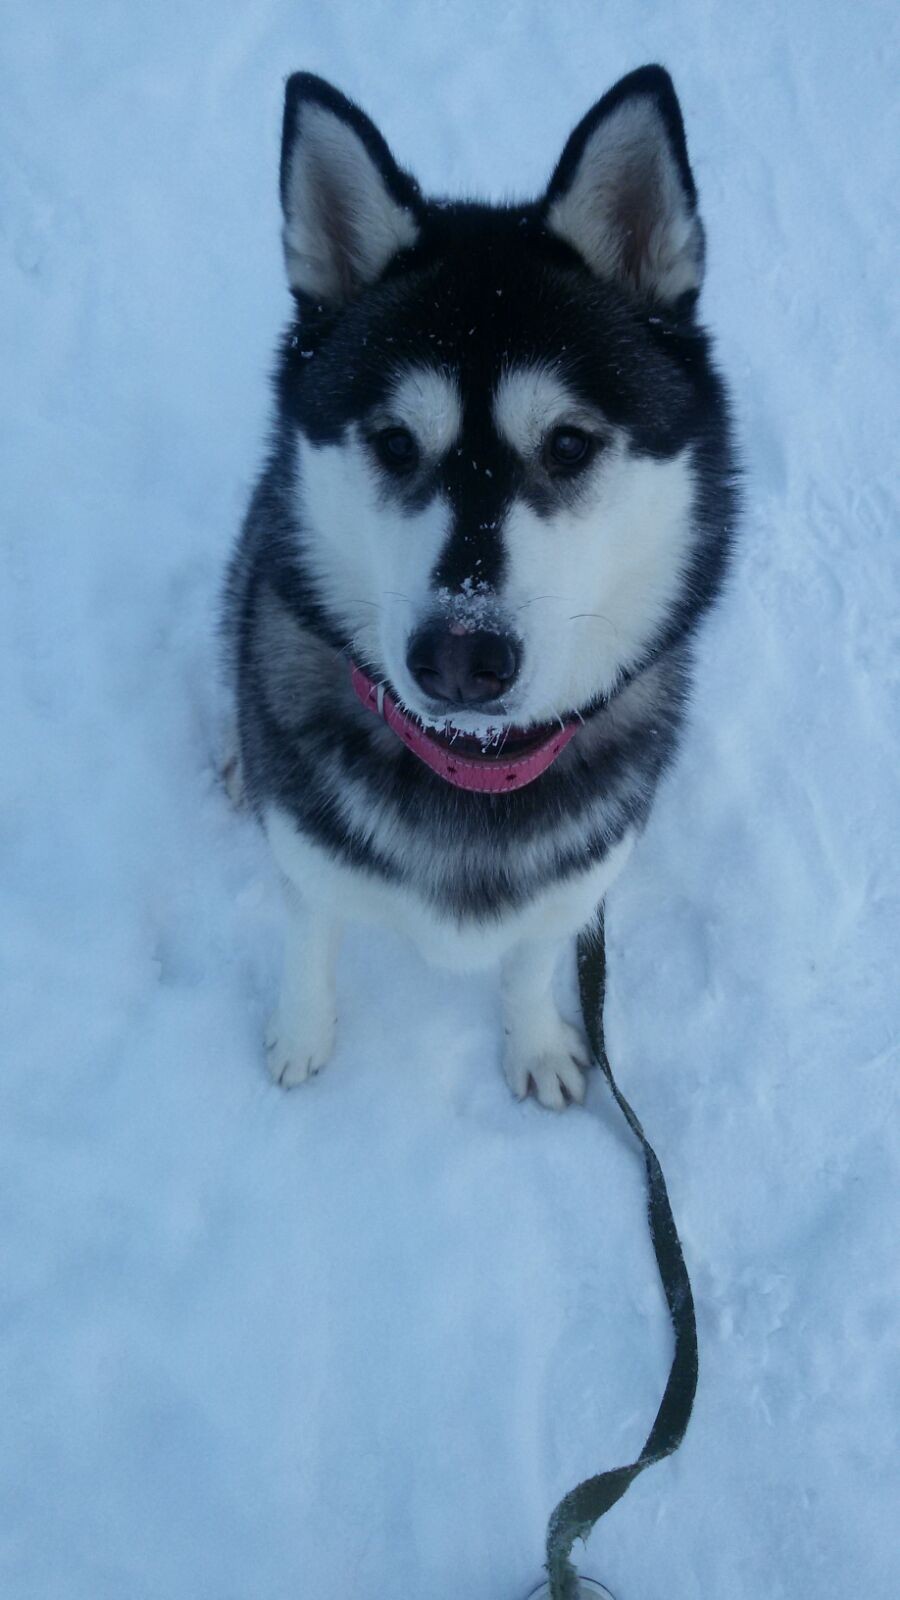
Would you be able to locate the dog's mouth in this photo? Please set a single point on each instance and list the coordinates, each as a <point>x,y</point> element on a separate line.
<point>496,744</point>
<point>496,762</point>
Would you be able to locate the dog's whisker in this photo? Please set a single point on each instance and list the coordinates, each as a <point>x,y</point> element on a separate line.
<point>595,616</point>
<point>534,600</point>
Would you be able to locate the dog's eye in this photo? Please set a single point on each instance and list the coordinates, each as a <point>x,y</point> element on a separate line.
<point>567,449</point>
<point>397,449</point>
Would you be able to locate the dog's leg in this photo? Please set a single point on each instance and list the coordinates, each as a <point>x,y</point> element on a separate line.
<point>541,1051</point>
<point>300,1037</point>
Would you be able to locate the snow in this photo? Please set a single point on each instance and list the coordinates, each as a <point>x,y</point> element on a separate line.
<point>358,1340</point>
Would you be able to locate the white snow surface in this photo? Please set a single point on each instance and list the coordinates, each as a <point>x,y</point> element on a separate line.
<point>356,1341</point>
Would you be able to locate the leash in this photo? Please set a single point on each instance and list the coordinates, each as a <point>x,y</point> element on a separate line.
<point>578,1512</point>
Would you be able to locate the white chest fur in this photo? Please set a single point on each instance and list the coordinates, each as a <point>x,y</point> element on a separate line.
<point>347,894</point>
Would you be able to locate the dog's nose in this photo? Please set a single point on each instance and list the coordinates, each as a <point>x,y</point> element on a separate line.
<point>461,668</point>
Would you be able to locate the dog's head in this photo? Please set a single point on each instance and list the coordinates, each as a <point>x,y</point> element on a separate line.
<point>506,418</point>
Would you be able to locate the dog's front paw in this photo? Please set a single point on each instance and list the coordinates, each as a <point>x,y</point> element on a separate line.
<point>295,1054</point>
<point>552,1068</point>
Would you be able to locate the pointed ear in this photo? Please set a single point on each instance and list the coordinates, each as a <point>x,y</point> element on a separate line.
<point>348,208</point>
<point>623,195</point>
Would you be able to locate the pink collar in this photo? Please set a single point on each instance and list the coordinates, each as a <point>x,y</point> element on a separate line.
<point>489,774</point>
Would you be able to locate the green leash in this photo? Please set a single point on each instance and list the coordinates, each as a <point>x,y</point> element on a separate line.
<point>577,1513</point>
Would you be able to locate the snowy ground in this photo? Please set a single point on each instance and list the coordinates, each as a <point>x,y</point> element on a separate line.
<point>356,1341</point>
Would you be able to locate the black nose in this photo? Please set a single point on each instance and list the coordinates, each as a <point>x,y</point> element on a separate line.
<point>461,668</point>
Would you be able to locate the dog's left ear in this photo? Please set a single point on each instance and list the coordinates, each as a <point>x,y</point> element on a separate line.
<point>623,194</point>
<point>348,208</point>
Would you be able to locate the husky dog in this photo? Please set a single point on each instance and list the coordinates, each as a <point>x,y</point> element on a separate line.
<point>498,500</point>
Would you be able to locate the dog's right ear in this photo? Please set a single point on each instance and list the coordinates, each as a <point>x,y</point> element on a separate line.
<point>348,208</point>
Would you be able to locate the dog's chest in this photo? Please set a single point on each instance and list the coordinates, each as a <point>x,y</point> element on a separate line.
<point>347,893</point>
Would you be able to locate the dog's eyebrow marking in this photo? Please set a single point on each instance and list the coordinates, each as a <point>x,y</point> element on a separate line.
<point>428,403</point>
<point>529,400</point>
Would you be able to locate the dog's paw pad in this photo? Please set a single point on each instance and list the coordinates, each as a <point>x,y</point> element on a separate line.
<point>554,1074</point>
<point>291,1059</point>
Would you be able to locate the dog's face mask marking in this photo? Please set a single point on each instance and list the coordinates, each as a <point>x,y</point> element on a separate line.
<point>494,410</point>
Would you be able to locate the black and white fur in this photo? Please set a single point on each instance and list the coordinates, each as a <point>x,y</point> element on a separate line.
<point>482,332</point>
